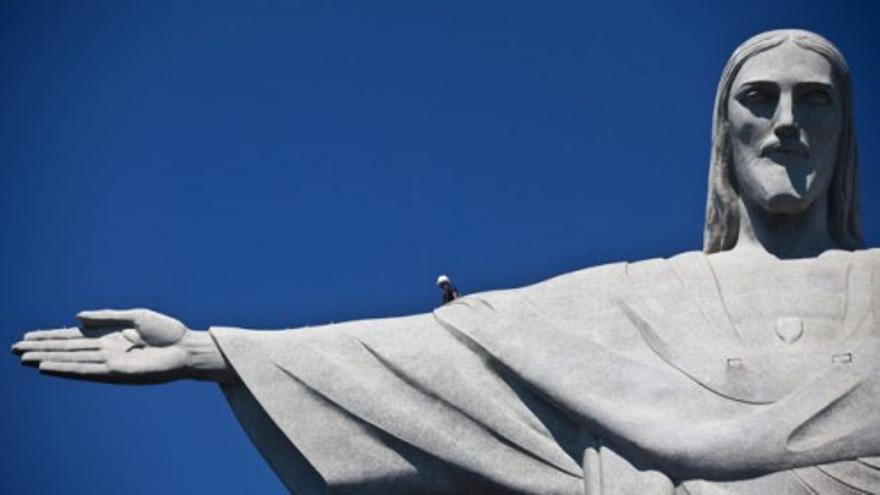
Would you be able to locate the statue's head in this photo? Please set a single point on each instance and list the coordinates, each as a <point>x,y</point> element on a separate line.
<point>783,137</point>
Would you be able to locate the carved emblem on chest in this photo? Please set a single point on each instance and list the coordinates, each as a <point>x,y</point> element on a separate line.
<point>789,329</point>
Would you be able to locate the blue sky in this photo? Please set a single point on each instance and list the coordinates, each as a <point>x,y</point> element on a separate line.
<point>277,164</point>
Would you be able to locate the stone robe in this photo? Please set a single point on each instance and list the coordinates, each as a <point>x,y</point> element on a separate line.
<point>695,374</point>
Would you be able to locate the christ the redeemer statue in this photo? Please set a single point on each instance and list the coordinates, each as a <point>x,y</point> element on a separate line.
<point>752,367</point>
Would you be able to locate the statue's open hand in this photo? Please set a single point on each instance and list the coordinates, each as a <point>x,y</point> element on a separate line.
<point>127,346</point>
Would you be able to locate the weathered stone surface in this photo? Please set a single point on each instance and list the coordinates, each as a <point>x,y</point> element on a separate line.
<point>663,372</point>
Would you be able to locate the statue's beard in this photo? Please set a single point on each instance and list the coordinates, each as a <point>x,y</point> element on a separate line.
<point>779,183</point>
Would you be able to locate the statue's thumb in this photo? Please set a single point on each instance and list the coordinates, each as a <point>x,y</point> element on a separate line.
<point>158,330</point>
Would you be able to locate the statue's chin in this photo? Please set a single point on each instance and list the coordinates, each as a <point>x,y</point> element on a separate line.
<point>786,203</point>
<point>777,189</point>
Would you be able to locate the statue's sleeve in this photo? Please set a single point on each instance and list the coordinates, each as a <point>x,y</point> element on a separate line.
<point>510,391</point>
<point>397,404</point>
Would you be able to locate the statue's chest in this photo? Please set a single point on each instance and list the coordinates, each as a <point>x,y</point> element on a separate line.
<point>755,332</point>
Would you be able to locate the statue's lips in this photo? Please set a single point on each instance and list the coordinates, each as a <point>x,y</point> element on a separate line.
<point>798,149</point>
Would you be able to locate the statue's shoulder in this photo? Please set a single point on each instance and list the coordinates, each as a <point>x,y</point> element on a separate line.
<point>872,254</point>
<point>587,298</point>
<point>603,285</point>
<point>606,277</point>
<point>858,260</point>
<point>866,261</point>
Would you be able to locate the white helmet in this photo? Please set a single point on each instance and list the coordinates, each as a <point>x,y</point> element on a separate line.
<point>442,279</point>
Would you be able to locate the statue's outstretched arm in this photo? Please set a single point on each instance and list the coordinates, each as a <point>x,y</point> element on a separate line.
<point>125,346</point>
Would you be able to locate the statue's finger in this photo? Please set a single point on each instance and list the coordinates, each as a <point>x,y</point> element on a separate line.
<point>32,357</point>
<point>57,345</point>
<point>73,370</point>
<point>62,333</point>
<point>104,317</point>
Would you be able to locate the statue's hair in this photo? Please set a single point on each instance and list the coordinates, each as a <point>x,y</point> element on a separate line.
<point>722,213</point>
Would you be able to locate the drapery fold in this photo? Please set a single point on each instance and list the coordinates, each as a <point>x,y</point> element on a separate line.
<point>634,374</point>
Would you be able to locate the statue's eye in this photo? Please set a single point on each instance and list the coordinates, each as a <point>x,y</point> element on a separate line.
<point>756,95</point>
<point>818,97</point>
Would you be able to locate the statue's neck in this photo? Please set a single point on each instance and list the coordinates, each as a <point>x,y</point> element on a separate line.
<point>798,235</point>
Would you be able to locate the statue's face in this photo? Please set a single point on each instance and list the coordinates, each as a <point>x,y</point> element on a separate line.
<point>784,112</point>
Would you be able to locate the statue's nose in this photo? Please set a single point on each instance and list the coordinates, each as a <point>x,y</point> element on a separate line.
<point>786,131</point>
<point>785,126</point>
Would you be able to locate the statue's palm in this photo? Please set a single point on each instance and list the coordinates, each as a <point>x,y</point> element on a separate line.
<point>131,346</point>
